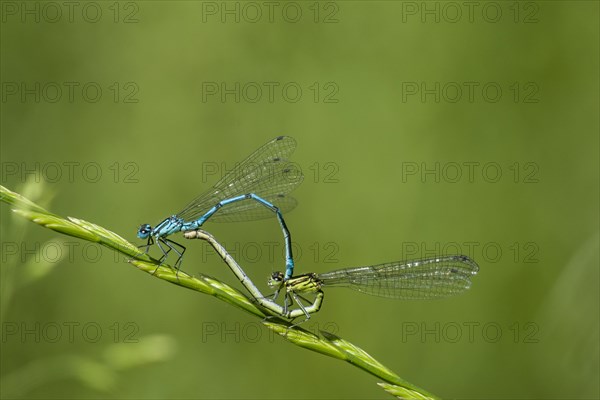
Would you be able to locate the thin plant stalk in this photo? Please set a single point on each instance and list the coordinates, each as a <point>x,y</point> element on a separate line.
<point>325,343</point>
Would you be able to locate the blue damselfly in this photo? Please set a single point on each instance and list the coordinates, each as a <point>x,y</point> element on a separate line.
<point>256,188</point>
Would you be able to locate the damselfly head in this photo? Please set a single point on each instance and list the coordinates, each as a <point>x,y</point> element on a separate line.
<point>275,280</point>
<point>144,231</point>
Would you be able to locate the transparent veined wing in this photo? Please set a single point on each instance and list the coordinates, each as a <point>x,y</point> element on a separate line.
<point>410,280</point>
<point>266,173</point>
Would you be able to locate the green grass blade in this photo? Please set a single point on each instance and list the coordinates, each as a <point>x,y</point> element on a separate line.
<point>325,343</point>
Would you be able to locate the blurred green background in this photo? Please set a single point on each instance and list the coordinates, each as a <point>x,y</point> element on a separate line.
<point>164,99</point>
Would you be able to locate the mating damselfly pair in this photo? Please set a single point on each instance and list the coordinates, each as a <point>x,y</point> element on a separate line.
<point>258,188</point>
